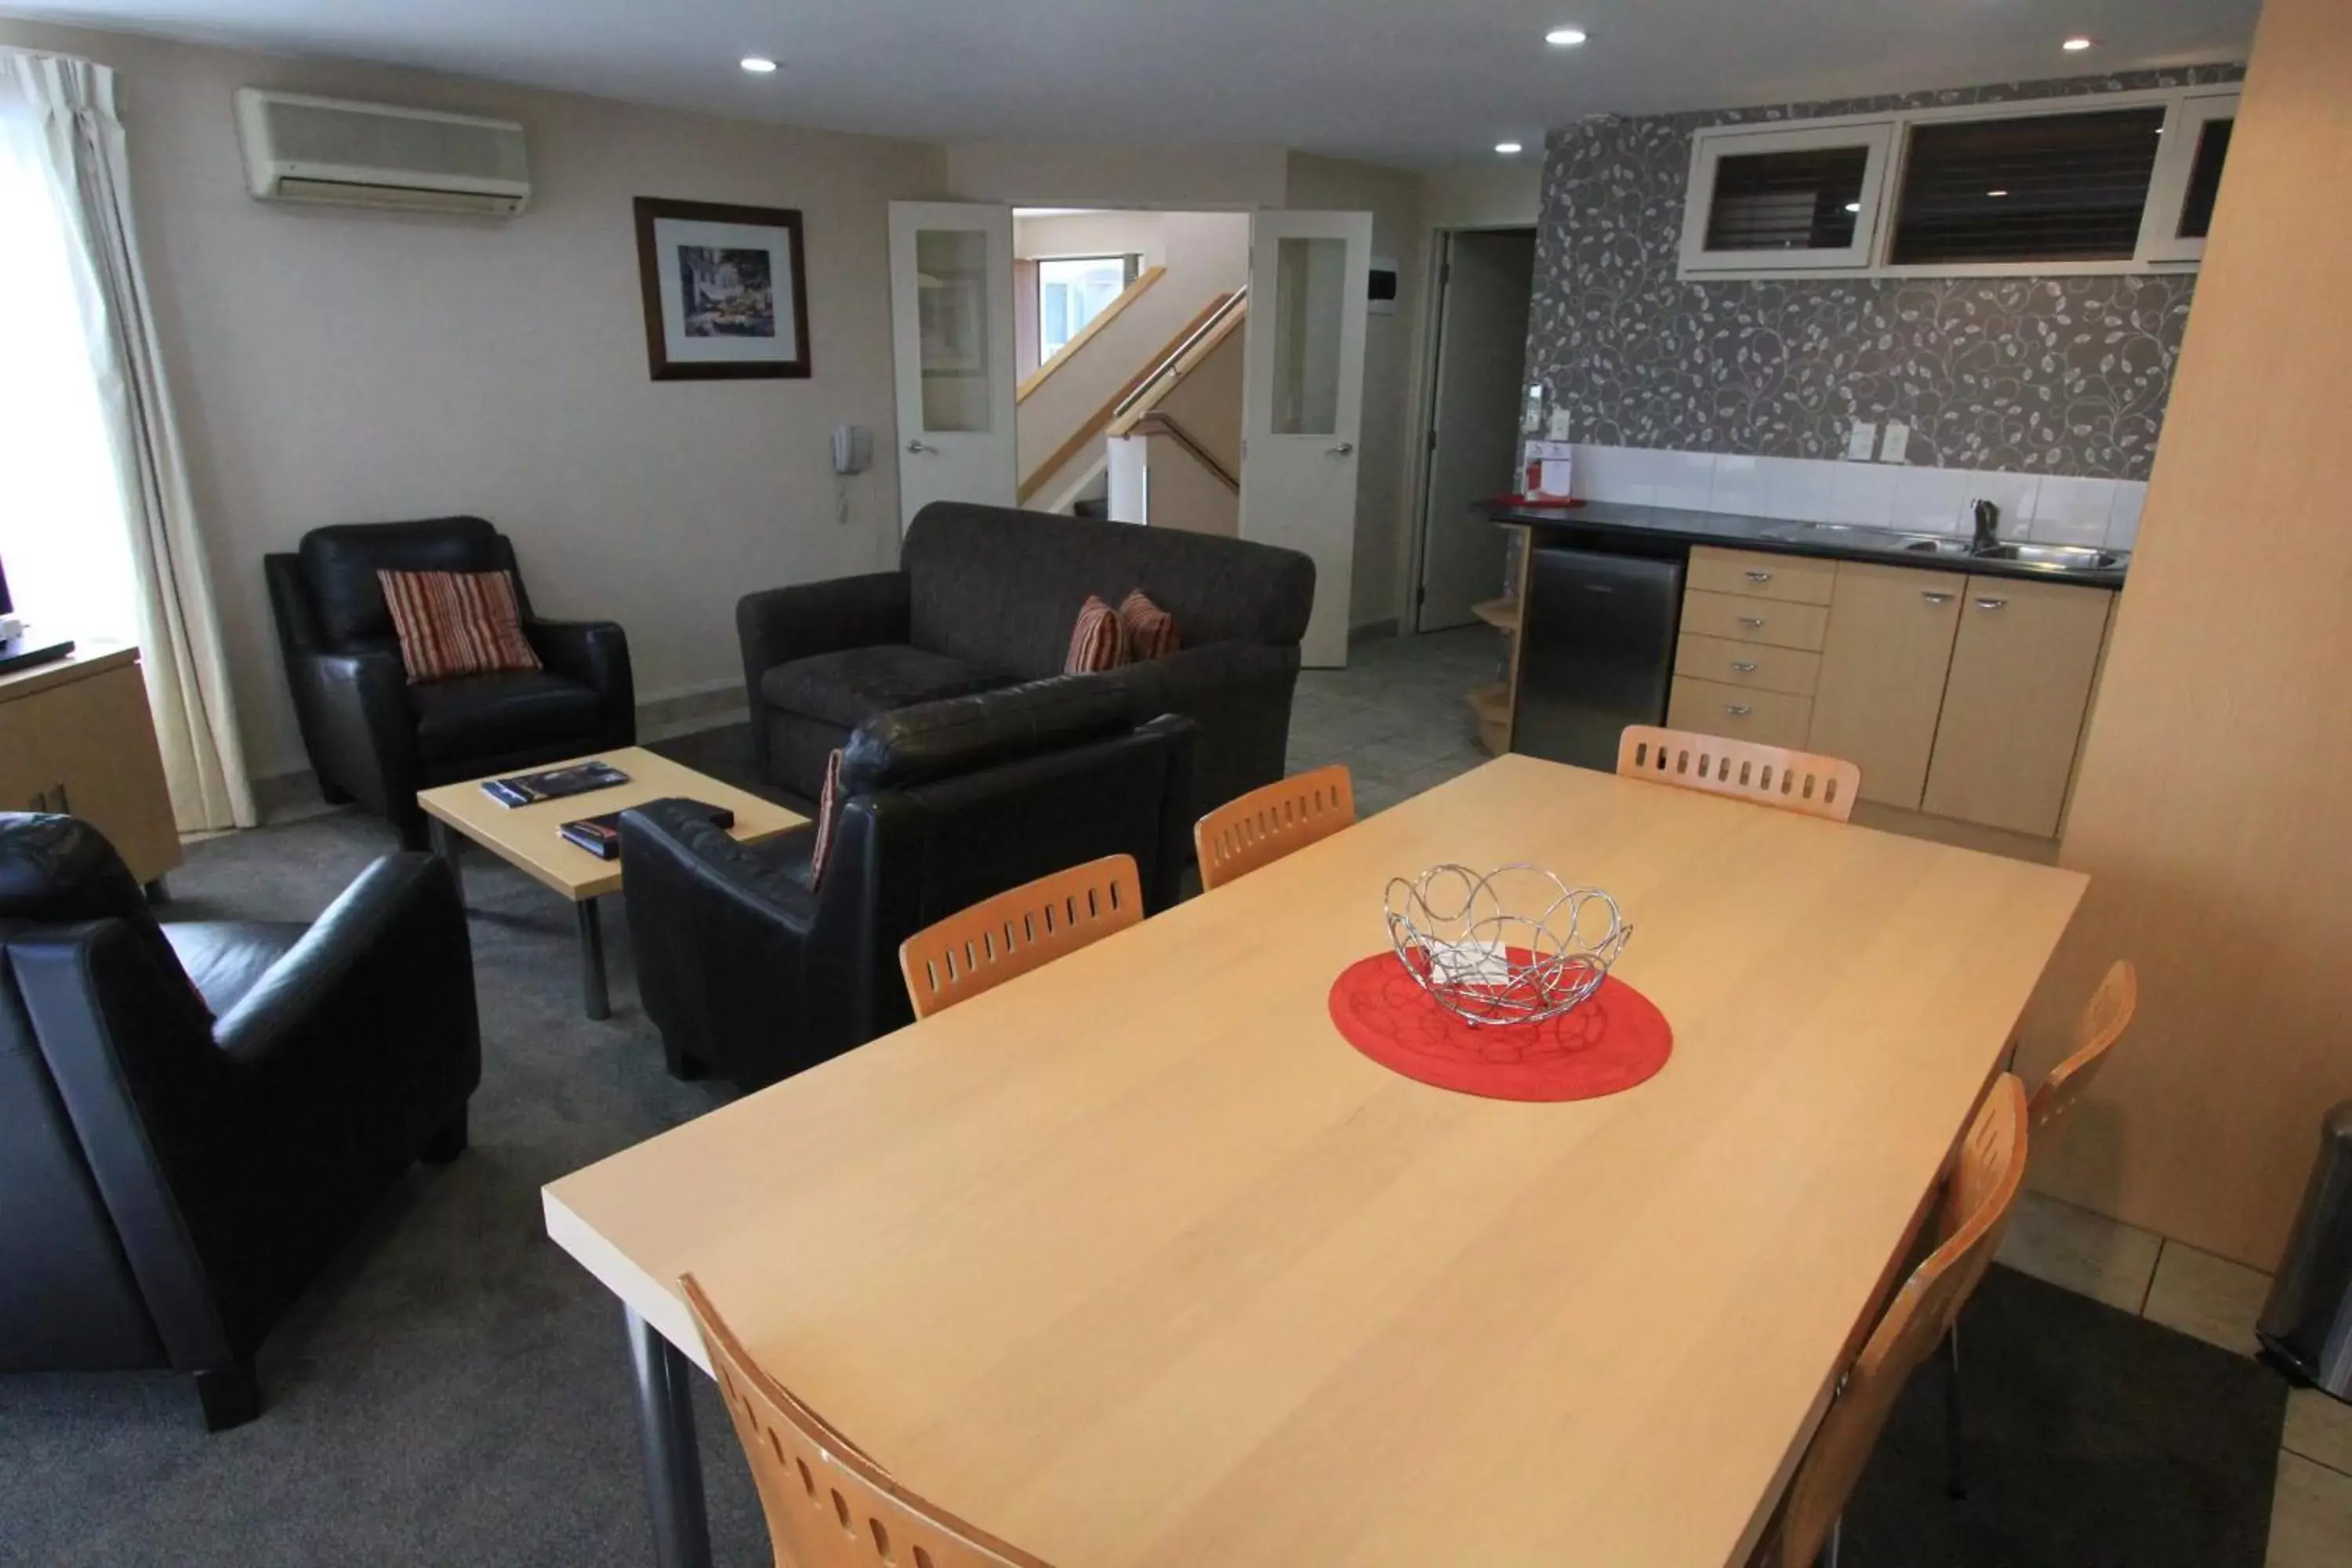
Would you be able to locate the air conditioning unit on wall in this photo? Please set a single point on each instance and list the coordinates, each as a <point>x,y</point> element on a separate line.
<point>326,150</point>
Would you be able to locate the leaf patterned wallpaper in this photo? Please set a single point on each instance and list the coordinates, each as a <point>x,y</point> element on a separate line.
<point>2054,375</point>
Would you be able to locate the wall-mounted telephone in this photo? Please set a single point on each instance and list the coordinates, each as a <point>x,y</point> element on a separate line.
<point>853,449</point>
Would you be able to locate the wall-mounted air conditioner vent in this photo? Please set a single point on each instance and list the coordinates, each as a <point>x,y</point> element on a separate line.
<point>300,149</point>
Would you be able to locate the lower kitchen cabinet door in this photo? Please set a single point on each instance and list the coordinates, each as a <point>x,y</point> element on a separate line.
<point>2014,704</point>
<point>1883,671</point>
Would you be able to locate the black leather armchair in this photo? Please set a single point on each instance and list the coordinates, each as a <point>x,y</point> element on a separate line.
<point>751,973</point>
<point>374,737</point>
<point>198,1116</point>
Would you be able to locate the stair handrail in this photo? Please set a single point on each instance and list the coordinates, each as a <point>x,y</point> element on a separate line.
<point>1150,388</point>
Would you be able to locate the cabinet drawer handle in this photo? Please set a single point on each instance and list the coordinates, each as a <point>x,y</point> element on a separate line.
<point>1756,621</point>
<point>1935,598</point>
<point>1737,710</point>
<point>1759,577</point>
<point>1991,604</point>
<point>1744,666</point>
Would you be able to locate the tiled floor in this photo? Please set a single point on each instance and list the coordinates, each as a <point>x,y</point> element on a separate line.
<point>1396,715</point>
<point>2216,1301</point>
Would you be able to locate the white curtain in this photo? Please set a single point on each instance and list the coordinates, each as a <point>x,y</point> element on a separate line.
<point>93,490</point>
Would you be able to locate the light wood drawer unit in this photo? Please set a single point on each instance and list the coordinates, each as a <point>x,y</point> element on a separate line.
<point>1757,665</point>
<point>75,737</point>
<point>1776,622</point>
<point>2013,706</point>
<point>1739,713</point>
<point>1793,579</point>
<point>1883,671</point>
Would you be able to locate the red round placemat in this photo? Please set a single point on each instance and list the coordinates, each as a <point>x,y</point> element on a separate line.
<point>1615,1039</point>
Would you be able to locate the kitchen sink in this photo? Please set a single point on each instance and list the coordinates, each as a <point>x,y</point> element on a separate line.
<point>2067,557</point>
<point>1934,545</point>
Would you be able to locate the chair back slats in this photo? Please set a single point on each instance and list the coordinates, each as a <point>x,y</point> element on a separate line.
<point>1019,929</point>
<point>1980,1197</point>
<point>2103,1022</point>
<point>1269,822</point>
<point>1769,775</point>
<point>828,1505</point>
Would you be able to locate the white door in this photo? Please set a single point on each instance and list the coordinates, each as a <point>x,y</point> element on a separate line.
<point>951,333</point>
<point>1482,344</point>
<point>1302,402</point>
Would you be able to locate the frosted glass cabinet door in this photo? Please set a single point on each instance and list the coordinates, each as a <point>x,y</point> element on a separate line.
<point>952,329</point>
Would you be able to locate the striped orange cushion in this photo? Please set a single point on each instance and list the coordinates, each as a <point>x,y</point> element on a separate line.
<point>456,623</point>
<point>1098,642</point>
<point>827,806</point>
<point>1150,630</point>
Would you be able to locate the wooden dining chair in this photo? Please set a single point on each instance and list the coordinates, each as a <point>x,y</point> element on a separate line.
<point>1977,1201</point>
<point>2102,1022</point>
<point>1270,821</point>
<point>828,1505</point>
<point>1019,929</point>
<point>1770,775</point>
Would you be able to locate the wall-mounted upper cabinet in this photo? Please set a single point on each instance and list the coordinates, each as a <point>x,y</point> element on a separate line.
<point>2118,182</point>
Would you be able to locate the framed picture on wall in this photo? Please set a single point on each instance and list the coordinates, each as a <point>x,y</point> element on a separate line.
<point>725,290</point>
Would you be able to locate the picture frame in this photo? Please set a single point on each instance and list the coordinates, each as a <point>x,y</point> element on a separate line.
<point>726,291</point>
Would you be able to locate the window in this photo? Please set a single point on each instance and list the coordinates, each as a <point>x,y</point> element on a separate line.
<point>2189,177</point>
<point>1763,200</point>
<point>2098,183</point>
<point>2051,188</point>
<point>1073,291</point>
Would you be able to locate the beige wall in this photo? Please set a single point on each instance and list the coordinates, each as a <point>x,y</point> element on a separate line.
<point>1383,473</point>
<point>2213,811</point>
<point>1115,174</point>
<point>334,366</point>
<point>1505,195</point>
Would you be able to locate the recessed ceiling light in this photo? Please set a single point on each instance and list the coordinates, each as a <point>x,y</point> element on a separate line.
<point>1854,206</point>
<point>1996,192</point>
<point>1565,37</point>
<point>2077,43</point>
<point>1507,148</point>
<point>759,65</point>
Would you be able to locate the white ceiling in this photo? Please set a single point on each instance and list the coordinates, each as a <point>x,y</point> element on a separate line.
<point>1414,81</point>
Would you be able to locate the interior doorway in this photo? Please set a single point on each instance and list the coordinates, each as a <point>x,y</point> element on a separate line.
<point>1485,286</point>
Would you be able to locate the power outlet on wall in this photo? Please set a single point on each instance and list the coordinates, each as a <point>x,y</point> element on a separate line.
<point>1861,441</point>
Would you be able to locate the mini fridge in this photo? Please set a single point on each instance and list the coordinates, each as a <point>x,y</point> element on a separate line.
<point>1596,652</point>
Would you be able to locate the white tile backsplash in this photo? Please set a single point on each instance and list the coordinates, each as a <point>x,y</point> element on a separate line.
<point>1740,486</point>
<point>1933,501</point>
<point>2123,524</point>
<point>2051,509</point>
<point>2071,512</point>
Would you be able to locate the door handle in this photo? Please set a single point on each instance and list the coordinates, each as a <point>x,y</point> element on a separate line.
<point>913,445</point>
<point>1935,598</point>
<point>1744,666</point>
<point>1991,604</point>
<point>1737,710</point>
<point>1759,577</point>
<point>1755,621</point>
<point>1343,450</point>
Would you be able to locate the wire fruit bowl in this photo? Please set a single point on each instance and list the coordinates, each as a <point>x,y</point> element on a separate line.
<point>1515,946</point>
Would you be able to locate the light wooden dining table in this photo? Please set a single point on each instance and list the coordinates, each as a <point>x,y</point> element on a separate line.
<point>1135,1261</point>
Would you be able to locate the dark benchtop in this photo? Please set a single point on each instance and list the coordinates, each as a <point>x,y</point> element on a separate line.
<point>1608,526</point>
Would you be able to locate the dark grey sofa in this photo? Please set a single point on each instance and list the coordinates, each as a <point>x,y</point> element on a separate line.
<point>986,597</point>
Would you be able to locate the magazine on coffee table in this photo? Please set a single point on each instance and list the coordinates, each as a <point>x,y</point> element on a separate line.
<point>600,836</point>
<point>554,784</point>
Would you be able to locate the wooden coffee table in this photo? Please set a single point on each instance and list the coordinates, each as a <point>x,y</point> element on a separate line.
<point>526,836</point>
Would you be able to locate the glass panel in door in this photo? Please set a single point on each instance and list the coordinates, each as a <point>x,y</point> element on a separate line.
<point>951,302</point>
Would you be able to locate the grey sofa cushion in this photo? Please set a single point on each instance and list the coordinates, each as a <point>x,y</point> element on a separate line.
<point>1002,589</point>
<point>854,684</point>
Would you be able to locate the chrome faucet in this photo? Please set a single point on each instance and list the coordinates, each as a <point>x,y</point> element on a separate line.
<point>1988,516</point>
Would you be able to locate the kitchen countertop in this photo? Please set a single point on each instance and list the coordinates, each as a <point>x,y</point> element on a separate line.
<point>1671,525</point>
